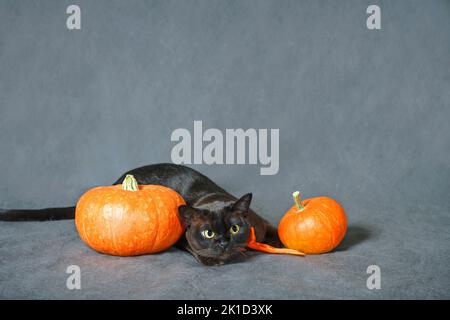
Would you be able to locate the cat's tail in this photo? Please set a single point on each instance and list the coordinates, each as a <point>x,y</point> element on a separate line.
<point>37,214</point>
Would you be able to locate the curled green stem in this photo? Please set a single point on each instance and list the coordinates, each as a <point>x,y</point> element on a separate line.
<point>130,183</point>
<point>298,202</point>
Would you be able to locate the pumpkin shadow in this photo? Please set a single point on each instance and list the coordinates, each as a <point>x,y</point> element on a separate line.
<point>356,234</point>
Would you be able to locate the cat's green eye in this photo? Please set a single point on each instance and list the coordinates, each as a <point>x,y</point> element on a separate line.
<point>208,234</point>
<point>234,229</point>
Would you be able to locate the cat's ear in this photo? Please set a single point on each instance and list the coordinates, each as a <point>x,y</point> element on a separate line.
<point>243,204</point>
<point>186,214</point>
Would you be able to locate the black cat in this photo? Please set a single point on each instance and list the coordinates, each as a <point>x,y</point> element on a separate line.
<point>217,224</point>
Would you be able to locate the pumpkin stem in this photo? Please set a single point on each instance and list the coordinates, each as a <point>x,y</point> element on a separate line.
<point>130,183</point>
<point>298,203</point>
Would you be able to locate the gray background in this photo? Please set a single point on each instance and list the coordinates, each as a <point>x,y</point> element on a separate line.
<point>363,117</point>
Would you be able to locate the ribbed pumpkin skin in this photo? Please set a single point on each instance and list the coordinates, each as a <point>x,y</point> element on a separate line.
<point>318,228</point>
<point>128,223</point>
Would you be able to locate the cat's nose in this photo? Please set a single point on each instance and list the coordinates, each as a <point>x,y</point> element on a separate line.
<point>223,243</point>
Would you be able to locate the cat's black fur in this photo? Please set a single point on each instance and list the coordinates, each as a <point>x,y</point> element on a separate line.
<point>208,208</point>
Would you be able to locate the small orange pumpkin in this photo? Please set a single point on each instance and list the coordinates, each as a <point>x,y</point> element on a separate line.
<point>313,226</point>
<point>128,220</point>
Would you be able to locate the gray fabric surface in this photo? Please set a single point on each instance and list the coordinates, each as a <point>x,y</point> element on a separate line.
<point>363,118</point>
<point>409,245</point>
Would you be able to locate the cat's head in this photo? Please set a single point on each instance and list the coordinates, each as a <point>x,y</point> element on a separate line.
<point>218,233</point>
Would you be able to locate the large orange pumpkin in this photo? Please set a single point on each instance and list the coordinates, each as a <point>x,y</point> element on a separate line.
<point>128,220</point>
<point>315,225</point>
